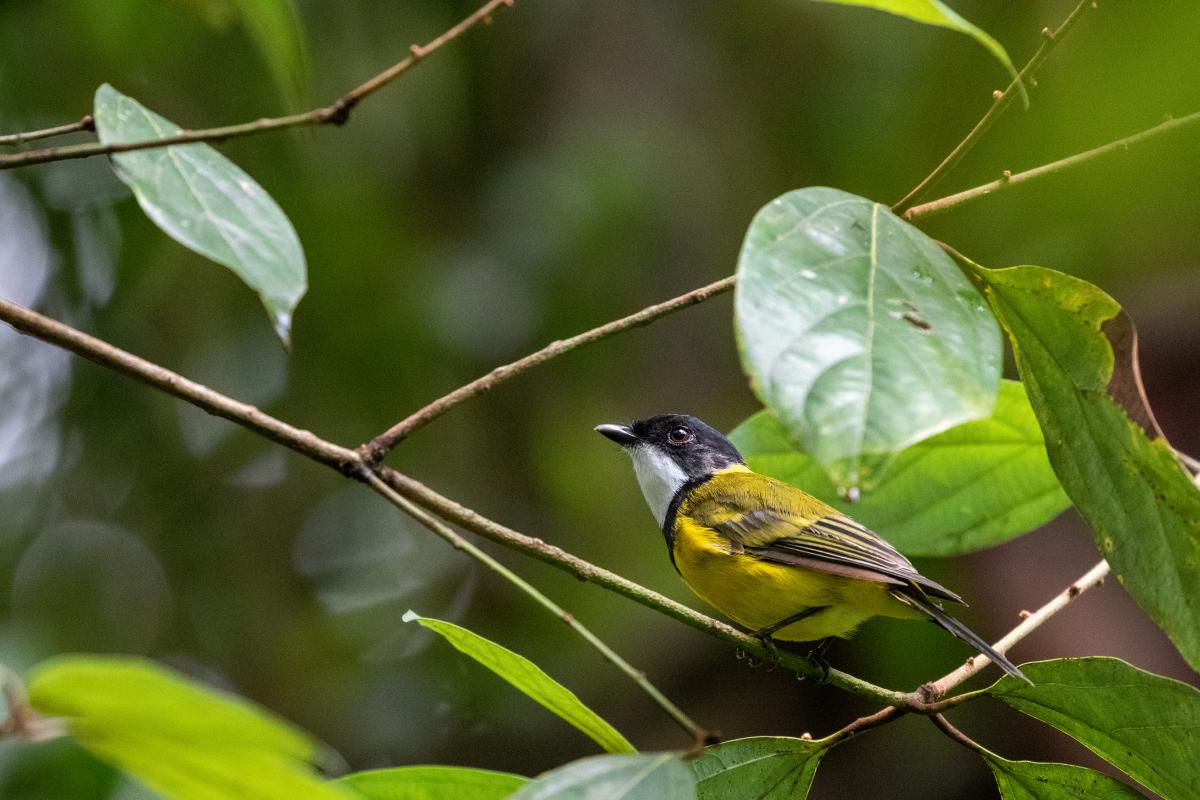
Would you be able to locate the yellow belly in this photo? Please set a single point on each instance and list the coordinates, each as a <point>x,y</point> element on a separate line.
<point>757,594</point>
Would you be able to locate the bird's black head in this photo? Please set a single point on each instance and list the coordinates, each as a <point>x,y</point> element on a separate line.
<point>670,450</point>
<point>698,448</point>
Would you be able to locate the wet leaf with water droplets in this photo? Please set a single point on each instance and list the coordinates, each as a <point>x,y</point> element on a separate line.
<point>853,383</point>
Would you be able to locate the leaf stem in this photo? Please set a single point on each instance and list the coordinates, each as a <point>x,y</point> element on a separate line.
<point>375,450</point>
<point>87,123</point>
<point>439,528</point>
<point>1000,103</point>
<point>943,725</point>
<point>336,113</point>
<point>1008,180</point>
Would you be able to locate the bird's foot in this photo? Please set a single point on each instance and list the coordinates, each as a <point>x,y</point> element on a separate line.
<point>817,657</point>
<point>772,660</point>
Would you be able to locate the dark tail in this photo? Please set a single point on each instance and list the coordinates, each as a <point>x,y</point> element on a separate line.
<point>917,599</point>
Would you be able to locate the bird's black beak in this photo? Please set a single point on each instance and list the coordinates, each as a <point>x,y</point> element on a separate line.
<point>621,434</point>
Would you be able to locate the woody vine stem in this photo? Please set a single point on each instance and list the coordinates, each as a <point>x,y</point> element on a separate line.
<point>434,510</point>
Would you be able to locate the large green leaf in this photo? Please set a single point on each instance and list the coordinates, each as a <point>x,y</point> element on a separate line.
<point>1034,780</point>
<point>529,679</point>
<point>762,767</point>
<point>1143,724</point>
<point>207,203</point>
<point>181,740</point>
<point>976,485</point>
<point>658,776</point>
<point>431,783</point>
<point>1077,354</point>
<point>858,332</point>
<point>935,12</point>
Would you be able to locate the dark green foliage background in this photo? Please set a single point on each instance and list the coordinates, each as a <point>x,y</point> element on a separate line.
<point>572,163</point>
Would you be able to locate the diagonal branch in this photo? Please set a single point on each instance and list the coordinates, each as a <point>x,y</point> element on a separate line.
<point>336,113</point>
<point>1029,623</point>
<point>375,450</point>
<point>1008,180</point>
<point>1000,102</point>
<point>943,725</point>
<point>440,529</point>
<point>348,463</point>
<point>930,699</point>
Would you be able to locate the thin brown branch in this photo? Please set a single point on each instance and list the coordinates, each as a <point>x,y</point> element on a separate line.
<point>862,724</point>
<point>1000,102</point>
<point>306,443</point>
<point>930,699</point>
<point>336,113</point>
<point>1009,180</point>
<point>375,450</point>
<point>699,735</point>
<point>17,139</point>
<point>347,462</point>
<point>1029,623</point>
<point>943,725</point>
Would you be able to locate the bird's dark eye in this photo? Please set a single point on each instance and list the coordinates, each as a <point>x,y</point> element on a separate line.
<point>679,435</point>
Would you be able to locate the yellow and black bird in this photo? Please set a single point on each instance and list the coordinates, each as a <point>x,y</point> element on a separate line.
<point>775,559</point>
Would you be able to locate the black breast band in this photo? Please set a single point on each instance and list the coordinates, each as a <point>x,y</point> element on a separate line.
<point>681,493</point>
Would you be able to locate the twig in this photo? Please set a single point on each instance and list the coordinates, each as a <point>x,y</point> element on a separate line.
<point>1093,577</point>
<point>439,528</point>
<point>375,450</point>
<point>930,700</point>
<point>1190,464</point>
<point>1009,180</point>
<point>943,725</point>
<point>336,113</point>
<point>306,443</point>
<point>15,139</point>
<point>880,717</point>
<point>348,463</point>
<point>378,448</point>
<point>1000,102</point>
<point>21,719</point>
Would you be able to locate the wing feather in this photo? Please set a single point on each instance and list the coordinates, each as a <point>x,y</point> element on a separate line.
<point>779,523</point>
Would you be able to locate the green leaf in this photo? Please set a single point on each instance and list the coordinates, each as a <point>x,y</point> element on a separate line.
<point>976,485</point>
<point>1033,780</point>
<point>1077,354</point>
<point>934,12</point>
<point>660,776</point>
<point>762,767</point>
<point>207,203</point>
<point>529,679</point>
<point>858,332</point>
<point>1143,724</point>
<point>181,740</point>
<point>431,783</point>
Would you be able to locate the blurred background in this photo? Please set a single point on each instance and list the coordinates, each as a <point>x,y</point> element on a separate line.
<point>569,164</point>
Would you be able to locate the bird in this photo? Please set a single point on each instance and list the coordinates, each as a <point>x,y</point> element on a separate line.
<point>776,560</point>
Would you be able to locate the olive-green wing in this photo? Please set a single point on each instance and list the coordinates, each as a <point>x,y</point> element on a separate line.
<point>779,523</point>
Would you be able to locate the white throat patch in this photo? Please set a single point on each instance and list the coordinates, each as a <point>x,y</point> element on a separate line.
<point>659,477</point>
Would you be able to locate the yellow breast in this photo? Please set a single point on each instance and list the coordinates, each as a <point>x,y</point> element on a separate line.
<point>757,594</point>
